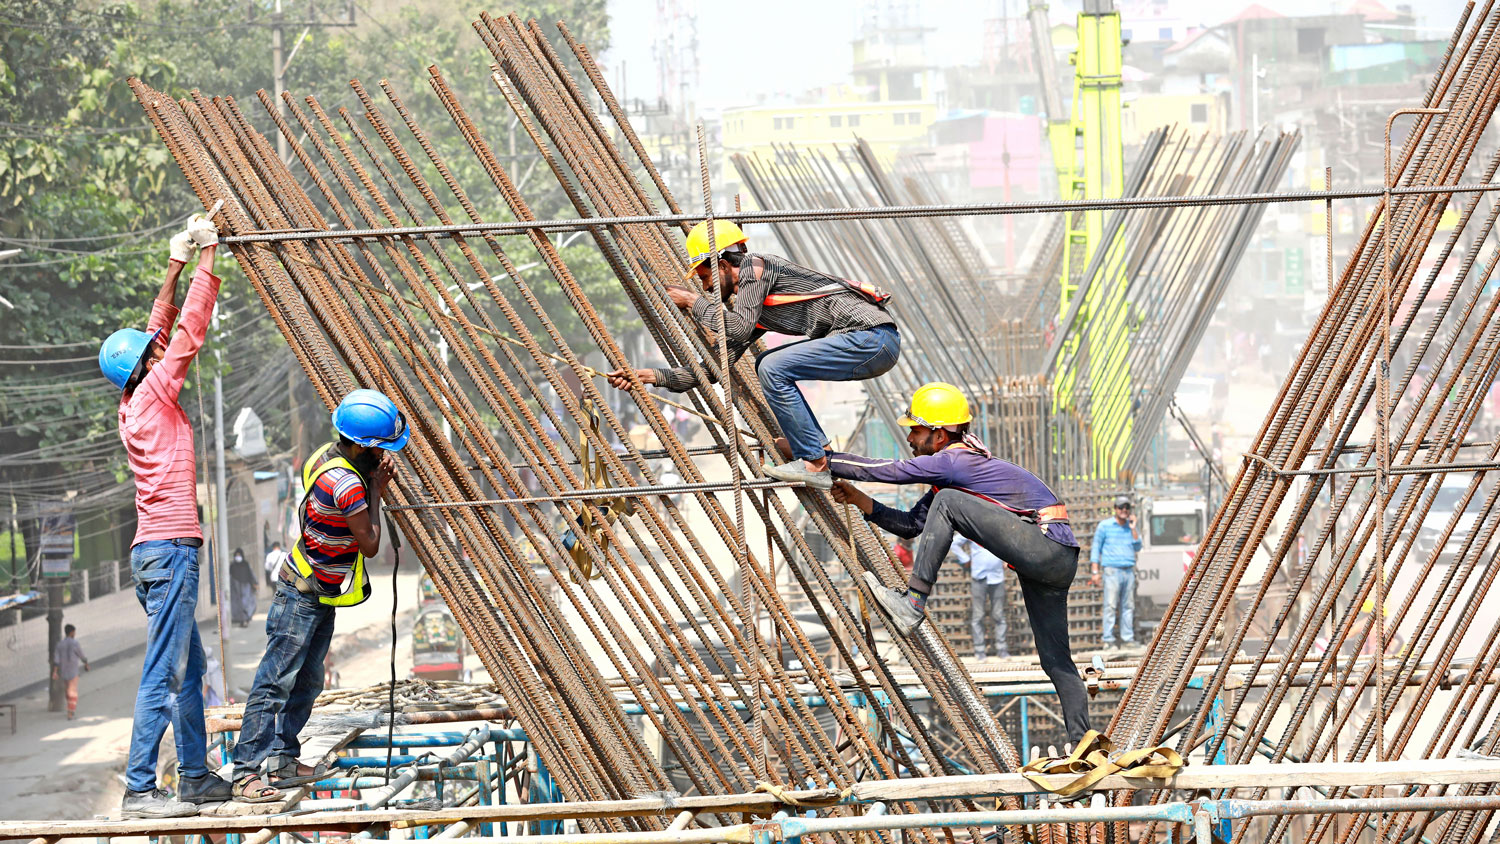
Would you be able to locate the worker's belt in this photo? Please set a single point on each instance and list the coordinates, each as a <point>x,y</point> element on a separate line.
<point>304,585</point>
<point>187,542</point>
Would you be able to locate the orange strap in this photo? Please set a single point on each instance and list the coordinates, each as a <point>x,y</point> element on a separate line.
<point>1052,514</point>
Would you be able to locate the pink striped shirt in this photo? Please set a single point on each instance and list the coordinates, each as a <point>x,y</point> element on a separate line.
<point>158,439</point>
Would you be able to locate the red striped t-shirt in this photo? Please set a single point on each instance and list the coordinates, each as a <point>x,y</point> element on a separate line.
<point>331,547</point>
<point>158,439</point>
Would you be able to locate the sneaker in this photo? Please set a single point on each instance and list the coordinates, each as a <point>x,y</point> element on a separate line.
<point>155,803</point>
<point>979,656</point>
<point>894,605</point>
<point>796,471</point>
<point>1002,655</point>
<point>209,788</point>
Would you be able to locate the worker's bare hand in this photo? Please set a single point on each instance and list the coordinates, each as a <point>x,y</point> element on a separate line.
<point>385,469</point>
<point>681,296</point>
<point>846,493</point>
<point>620,380</point>
<point>1095,579</point>
<point>783,448</point>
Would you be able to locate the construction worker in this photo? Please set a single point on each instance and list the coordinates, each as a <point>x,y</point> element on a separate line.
<point>851,336</point>
<point>1005,509</point>
<point>1114,549</point>
<point>149,367</point>
<point>340,514</point>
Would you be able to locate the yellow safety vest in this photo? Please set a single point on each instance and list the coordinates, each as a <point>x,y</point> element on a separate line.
<point>358,590</point>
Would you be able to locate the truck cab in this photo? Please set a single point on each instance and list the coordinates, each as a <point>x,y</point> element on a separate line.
<point>1170,533</point>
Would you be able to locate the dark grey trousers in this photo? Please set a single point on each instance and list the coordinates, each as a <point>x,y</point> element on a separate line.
<point>1045,570</point>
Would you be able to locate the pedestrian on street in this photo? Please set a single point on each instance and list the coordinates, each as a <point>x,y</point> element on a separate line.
<point>66,662</point>
<point>340,515</point>
<point>149,368</point>
<point>275,559</point>
<point>986,594</point>
<point>242,590</point>
<point>1001,506</point>
<point>1112,560</point>
<point>850,335</point>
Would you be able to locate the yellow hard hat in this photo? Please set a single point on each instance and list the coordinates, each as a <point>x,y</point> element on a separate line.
<point>726,234</point>
<point>937,405</point>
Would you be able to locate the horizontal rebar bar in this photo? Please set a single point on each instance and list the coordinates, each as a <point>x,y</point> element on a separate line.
<point>979,209</point>
<point>612,492</point>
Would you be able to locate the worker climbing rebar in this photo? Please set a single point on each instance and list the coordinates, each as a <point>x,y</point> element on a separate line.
<point>1005,509</point>
<point>850,335</point>
<point>340,515</point>
<point>149,369</point>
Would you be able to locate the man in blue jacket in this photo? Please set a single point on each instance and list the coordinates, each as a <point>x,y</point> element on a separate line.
<point>1116,542</point>
<point>1002,507</point>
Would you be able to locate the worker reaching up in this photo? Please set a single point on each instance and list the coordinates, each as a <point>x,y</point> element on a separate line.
<point>340,515</point>
<point>149,367</point>
<point>850,335</point>
<point>1003,508</point>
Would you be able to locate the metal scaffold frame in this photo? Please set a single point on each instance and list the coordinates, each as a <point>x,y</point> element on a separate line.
<point>380,268</point>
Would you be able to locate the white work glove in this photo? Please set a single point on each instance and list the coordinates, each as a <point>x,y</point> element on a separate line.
<point>182,247</point>
<point>202,230</point>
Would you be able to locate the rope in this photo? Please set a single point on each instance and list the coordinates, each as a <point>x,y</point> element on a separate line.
<point>1091,761</point>
<point>819,799</point>
<point>222,595</point>
<point>595,477</point>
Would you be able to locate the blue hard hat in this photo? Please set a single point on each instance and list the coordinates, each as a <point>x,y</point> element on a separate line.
<point>369,418</point>
<point>123,353</point>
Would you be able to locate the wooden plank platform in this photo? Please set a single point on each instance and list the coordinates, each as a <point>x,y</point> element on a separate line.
<point>1192,778</point>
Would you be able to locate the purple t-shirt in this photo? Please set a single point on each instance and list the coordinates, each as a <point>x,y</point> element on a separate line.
<point>955,467</point>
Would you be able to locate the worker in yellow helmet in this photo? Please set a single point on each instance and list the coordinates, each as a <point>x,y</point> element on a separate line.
<point>850,335</point>
<point>1000,506</point>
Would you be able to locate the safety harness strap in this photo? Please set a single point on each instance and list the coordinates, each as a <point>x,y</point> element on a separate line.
<point>357,589</point>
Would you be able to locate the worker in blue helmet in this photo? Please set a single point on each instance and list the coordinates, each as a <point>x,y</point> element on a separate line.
<point>340,513</point>
<point>149,368</point>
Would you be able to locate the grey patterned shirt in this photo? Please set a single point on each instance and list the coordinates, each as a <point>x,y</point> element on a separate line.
<point>749,317</point>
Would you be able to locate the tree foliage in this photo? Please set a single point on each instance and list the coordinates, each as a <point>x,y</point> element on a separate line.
<point>90,195</point>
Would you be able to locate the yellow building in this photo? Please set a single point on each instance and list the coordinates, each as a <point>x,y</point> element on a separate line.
<point>886,126</point>
<point>1196,113</point>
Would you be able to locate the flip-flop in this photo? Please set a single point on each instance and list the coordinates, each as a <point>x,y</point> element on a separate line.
<point>264,794</point>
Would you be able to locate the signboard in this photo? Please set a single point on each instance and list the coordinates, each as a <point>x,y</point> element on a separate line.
<point>1294,278</point>
<point>58,530</point>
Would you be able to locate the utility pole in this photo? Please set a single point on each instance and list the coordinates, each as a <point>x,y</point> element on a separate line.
<point>278,81</point>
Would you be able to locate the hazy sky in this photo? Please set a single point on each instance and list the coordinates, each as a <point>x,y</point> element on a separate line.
<point>771,47</point>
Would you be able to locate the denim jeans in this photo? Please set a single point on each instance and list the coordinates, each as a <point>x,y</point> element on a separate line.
<point>166,584</point>
<point>1045,571</point>
<point>1119,596</point>
<point>982,592</point>
<point>290,676</point>
<point>854,356</point>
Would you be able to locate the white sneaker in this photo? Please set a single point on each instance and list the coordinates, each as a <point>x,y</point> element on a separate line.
<point>894,605</point>
<point>796,471</point>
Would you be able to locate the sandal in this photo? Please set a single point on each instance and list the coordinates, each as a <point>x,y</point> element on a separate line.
<point>246,790</point>
<point>303,775</point>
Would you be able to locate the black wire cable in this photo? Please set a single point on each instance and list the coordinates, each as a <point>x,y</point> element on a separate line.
<point>390,724</point>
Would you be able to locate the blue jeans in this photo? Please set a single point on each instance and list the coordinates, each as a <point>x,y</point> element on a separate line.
<point>166,584</point>
<point>982,592</point>
<point>854,356</point>
<point>290,676</point>
<point>1119,595</point>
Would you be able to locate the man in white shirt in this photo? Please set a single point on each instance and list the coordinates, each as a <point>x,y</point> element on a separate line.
<point>987,591</point>
<point>274,560</point>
